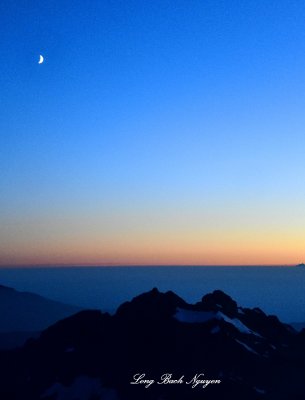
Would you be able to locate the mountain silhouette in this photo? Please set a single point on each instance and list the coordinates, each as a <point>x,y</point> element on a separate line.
<point>24,314</point>
<point>95,356</point>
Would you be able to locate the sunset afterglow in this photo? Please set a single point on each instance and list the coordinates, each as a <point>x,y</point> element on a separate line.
<point>153,135</point>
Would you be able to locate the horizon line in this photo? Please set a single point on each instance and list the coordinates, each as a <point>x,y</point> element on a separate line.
<point>109,265</point>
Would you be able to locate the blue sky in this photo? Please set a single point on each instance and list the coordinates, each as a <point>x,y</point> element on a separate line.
<point>148,121</point>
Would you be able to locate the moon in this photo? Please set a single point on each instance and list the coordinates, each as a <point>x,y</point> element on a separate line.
<point>40,59</point>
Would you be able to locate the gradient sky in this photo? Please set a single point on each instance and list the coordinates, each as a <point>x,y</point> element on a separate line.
<point>155,132</point>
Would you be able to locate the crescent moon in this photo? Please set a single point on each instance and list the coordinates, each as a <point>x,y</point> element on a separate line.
<point>40,59</point>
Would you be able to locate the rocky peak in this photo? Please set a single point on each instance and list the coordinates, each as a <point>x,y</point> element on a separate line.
<point>152,305</point>
<point>218,301</point>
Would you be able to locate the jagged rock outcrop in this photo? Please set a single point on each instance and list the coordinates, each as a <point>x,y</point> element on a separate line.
<point>94,355</point>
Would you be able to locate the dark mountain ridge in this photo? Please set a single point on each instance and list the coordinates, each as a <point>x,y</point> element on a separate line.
<point>92,355</point>
<point>24,314</point>
<point>25,311</point>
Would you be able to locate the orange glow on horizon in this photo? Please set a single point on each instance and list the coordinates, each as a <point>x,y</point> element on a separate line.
<point>166,237</point>
<point>232,252</point>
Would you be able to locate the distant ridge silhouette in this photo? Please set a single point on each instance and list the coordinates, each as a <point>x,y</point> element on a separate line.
<point>24,314</point>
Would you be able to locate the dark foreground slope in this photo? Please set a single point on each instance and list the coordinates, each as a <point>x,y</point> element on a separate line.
<point>92,355</point>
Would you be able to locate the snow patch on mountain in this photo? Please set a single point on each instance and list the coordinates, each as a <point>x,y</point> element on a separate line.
<point>237,323</point>
<point>246,347</point>
<point>82,388</point>
<point>189,316</point>
<point>216,329</point>
<point>70,350</point>
<point>260,391</point>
